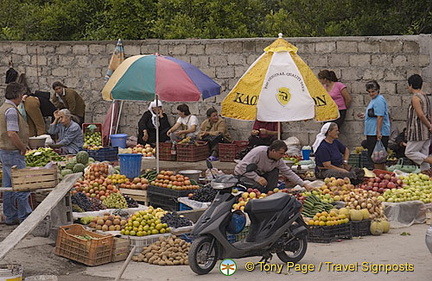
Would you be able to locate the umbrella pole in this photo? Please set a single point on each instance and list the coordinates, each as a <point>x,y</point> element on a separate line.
<point>111,121</point>
<point>157,135</point>
<point>119,115</point>
<point>279,131</point>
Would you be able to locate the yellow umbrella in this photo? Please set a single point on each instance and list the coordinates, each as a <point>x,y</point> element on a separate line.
<point>279,87</point>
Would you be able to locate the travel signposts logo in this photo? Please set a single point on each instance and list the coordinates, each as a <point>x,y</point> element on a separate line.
<point>228,267</point>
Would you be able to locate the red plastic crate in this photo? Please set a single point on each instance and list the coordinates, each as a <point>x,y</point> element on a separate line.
<point>228,151</point>
<point>165,152</point>
<point>192,152</point>
<point>98,129</point>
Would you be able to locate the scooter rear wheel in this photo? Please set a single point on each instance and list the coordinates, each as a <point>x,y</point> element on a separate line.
<point>296,256</point>
<point>203,255</point>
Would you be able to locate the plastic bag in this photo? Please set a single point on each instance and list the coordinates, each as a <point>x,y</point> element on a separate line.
<point>379,154</point>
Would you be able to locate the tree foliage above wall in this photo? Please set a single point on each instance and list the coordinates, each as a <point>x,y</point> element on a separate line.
<point>177,19</point>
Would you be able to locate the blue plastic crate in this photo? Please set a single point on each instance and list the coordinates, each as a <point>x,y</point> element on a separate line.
<point>104,154</point>
<point>184,207</point>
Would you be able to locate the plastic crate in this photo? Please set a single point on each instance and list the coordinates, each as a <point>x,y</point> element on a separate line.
<point>354,160</point>
<point>151,189</point>
<point>130,165</point>
<point>228,151</point>
<point>242,234</point>
<point>104,154</point>
<point>192,152</point>
<point>164,202</point>
<point>327,234</point>
<point>360,228</point>
<point>165,152</point>
<point>364,161</point>
<point>184,207</point>
<point>90,252</point>
<point>98,129</point>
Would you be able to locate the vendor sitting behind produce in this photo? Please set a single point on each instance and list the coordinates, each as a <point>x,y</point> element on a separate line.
<point>331,156</point>
<point>263,133</point>
<point>186,125</point>
<point>214,131</point>
<point>270,164</point>
<point>70,136</point>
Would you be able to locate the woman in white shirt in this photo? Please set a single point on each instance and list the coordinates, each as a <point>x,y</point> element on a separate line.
<point>186,125</point>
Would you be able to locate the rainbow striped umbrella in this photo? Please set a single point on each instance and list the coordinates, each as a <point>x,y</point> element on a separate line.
<point>142,77</point>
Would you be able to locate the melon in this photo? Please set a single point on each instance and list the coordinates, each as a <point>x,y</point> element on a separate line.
<point>344,211</point>
<point>78,168</point>
<point>376,228</point>
<point>82,157</point>
<point>70,165</point>
<point>65,172</point>
<point>386,226</point>
<point>356,215</point>
<point>365,213</point>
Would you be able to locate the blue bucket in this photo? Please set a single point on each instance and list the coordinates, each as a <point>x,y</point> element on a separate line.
<point>130,165</point>
<point>118,140</point>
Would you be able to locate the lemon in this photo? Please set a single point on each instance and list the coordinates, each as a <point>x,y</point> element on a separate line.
<point>132,233</point>
<point>155,231</point>
<point>159,226</point>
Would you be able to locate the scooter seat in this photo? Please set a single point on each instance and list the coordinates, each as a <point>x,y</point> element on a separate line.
<point>275,202</point>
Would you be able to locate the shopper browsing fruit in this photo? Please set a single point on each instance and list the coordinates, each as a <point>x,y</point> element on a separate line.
<point>270,164</point>
<point>331,156</point>
<point>70,136</point>
<point>419,124</point>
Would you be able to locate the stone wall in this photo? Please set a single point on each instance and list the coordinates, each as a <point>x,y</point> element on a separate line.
<point>82,65</point>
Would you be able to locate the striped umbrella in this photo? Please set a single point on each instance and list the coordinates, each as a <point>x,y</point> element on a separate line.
<point>142,77</point>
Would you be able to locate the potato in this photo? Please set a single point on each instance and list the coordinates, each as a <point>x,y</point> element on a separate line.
<point>135,258</point>
<point>176,262</point>
<point>168,262</point>
<point>161,263</point>
<point>148,255</point>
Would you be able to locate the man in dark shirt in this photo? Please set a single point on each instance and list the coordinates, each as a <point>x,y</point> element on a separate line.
<point>38,106</point>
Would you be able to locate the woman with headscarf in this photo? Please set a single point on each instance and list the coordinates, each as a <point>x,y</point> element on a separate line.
<point>147,125</point>
<point>331,156</point>
<point>65,97</point>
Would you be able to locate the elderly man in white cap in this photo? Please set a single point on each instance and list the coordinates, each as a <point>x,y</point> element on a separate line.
<point>147,124</point>
<point>331,156</point>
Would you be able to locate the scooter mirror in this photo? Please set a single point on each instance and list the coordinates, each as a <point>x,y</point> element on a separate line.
<point>251,167</point>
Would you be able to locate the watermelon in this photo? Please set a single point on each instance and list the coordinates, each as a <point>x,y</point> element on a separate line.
<point>82,157</point>
<point>78,168</point>
<point>70,165</point>
<point>66,172</point>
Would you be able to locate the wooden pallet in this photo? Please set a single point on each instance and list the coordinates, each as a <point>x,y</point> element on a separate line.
<point>137,194</point>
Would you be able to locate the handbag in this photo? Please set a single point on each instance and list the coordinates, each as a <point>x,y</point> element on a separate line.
<point>379,154</point>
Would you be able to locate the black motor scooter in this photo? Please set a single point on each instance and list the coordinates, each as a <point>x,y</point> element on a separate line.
<point>276,227</point>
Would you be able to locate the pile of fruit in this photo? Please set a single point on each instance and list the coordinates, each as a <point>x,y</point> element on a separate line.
<point>106,223</point>
<point>95,182</point>
<point>145,150</point>
<point>205,194</point>
<point>381,183</point>
<point>415,187</point>
<point>76,164</point>
<point>167,251</point>
<point>115,201</point>
<point>251,193</point>
<point>92,137</point>
<point>41,156</point>
<point>146,222</point>
<point>359,199</point>
<point>82,203</point>
<point>174,220</point>
<point>167,179</point>
<point>330,218</point>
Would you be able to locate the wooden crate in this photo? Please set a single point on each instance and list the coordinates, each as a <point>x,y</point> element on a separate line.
<point>29,179</point>
<point>138,195</point>
<point>120,249</point>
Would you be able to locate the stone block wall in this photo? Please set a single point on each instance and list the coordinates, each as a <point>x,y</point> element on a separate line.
<point>82,65</point>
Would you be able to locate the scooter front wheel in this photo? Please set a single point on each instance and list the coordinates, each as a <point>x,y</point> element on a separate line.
<point>296,255</point>
<point>203,255</point>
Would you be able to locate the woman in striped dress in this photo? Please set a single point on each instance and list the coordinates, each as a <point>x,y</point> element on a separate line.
<point>419,125</point>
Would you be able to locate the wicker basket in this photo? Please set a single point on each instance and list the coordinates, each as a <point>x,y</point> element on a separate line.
<point>192,152</point>
<point>228,151</point>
